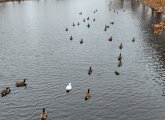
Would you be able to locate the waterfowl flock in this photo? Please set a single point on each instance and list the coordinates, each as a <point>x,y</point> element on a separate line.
<point>87,95</point>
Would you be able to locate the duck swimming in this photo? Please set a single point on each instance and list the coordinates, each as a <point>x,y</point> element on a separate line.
<point>90,71</point>
<point>68,87</point>
<point>83,20</point>
<point>120,46</point>
<point>5,91</point>
<point>78,23</point>
<point>117,73</point>
<point>133,40</point>
<point>120,63</point>
<point>21,83</point>
<point>120,57</point>
<point>73,24</point>
<point>87,18</point>
<point>66,29</point>
<point>88,25</point>
<point>80,13</point>
<point>81,41</point>
<point>105,29</point>
<point>94,19</point>
<point>43,115</point>
<point>71,38</point>
<point>112,23</point>
<point>110,39</point>
<point>106,26</point>
<point>87,95</point>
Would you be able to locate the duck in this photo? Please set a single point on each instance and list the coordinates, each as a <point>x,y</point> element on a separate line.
<point>106,26</point>
<point>43,115</point>
<point>66,29</point>
<point>112,23</point>
<point>87,18</point>
<point>88,25</point>
<point>117,73</point>
<point>94,12</point>
<point>120,57</point>
<point>78,23</point>
<point>133,40</point>
<point>110,39</point>
<point>105,29</point>
<point>94,19</point>
<point>80,13</point>
<point>68,87</point>
<point>81,41</point>
<point>120,63</point>
<point>114,11</point>
<point>87,95</point>
<point>21,83</point>
<point>90,71</point>
<point>73,24</point>
<point>83,20</point>
<point>71,38</point>
<point>5,91</point>
<point>121,46</point>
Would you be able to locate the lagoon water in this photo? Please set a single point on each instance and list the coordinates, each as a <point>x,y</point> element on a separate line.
<point>34,45</point>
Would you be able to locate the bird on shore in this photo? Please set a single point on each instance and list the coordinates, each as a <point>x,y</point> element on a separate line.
<point>43,114</point>
<point>68,87</point>
<point>87,95</point>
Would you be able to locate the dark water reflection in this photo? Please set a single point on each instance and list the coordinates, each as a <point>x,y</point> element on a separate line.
<point>34,45</point>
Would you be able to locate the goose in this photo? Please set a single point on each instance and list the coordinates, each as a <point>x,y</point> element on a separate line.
<point>106,26</point>
<point>43,115</point>
<point>121,46</point>
<point>87,95</point>
<point>68,87</point>
<point>94,19</point>
<point>110,39</point>
<point>73,24</point>
<point>88,25</point>
<point>120,63</point>
<point>112,23</point>
<point>83,20</point>
<point>90,71</point>
<point>5,91</point>
<point>87,18</point>
<point>81,41</point>
<point>120,57</point>
<point>66,29</point>
<point>133,40</point>
<point>21,83</point>
<point>71,38</point>
<point>117,73</point>
<point>80,13</point>
<point>78,23</point>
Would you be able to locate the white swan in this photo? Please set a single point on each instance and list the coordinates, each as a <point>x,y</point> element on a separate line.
<point>68,87</point>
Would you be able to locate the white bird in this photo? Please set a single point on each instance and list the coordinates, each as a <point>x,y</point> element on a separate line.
<point>68,87</point>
